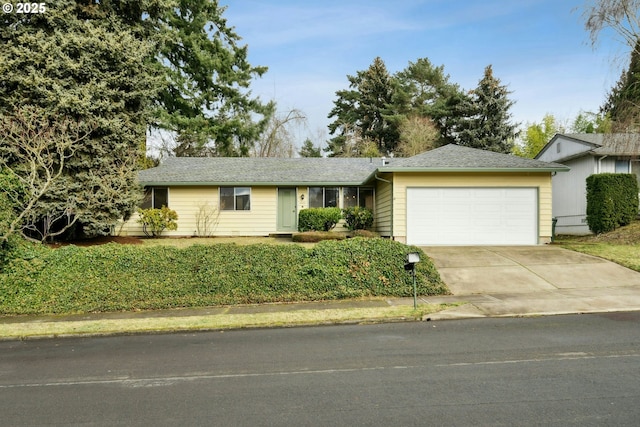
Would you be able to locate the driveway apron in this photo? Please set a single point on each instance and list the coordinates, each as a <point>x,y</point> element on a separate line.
<point>469,270</point>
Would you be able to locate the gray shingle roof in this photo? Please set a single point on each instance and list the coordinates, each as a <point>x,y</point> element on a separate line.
<point>615,144</point>
<point>259,171</point>
<point>454,157</point>
<point>329,171</point>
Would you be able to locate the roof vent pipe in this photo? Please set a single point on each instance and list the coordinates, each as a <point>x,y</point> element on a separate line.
<point>384,161</point>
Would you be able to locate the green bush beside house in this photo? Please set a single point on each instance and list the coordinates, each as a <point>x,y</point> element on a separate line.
<point>612,201</point>
<point>318,219</point>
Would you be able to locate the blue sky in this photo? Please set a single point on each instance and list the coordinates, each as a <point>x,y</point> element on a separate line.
<point>539,48</point>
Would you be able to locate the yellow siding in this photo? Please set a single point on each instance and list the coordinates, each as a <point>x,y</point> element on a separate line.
<point>541,181</point>
<point>189,201</point>
<point>383,215</point>
<point>129,228</point>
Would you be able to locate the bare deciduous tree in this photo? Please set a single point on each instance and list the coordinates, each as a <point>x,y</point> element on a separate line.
<point>417,135</point>
<point>207,218</point>
<point>620,16</point>
<point>34,148</point>
<point>278,138</point>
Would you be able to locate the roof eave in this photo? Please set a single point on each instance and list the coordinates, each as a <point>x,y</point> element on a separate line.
<point>431,170</point>
<point>249,184</point>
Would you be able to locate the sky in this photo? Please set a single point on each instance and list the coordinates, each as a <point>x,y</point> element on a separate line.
<point>539,49</point>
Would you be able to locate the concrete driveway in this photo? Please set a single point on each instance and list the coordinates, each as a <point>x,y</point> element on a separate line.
<point>525,269</point>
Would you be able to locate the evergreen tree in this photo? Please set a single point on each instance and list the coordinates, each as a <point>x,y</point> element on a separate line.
<point>362,111</point>
<point>308,150</point>
<point>490,127</point>
<point>206,101</point>
<point>623,101</point>
<point>77,65</point>
<point>588,122</point>
<point>118,67</point>
<point>424,90</point>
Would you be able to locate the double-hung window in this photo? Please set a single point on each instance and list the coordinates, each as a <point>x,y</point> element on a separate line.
<point>155,197</point>
<point>235,198</point>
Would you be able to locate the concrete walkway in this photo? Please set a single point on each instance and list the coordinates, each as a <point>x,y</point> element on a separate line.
<point>485,282</point>
<point>531,280</point>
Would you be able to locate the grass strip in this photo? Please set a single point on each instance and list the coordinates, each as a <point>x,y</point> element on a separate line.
<point>213,322</point>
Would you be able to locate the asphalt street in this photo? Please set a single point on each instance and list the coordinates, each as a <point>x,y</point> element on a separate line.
<point>560,370</point>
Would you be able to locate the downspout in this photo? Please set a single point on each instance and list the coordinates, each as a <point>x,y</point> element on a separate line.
<point>391,184</point>
<point>600,163</point>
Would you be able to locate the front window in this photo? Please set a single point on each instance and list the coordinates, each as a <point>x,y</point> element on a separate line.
<point>323,197</point>
<point>350,197</point>
<point>235,198</point>
<point>357,196</point>
<point>328,197</point>
<point>155,197</point>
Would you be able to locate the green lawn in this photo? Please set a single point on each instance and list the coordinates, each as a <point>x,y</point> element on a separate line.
<point>621,246</point>
<point>626,255</point>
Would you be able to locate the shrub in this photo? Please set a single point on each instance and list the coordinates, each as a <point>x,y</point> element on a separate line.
<point>11,196</point>
<point>364,233</point>
<point>317,236</point>
<point>155,221</point>
<point>116,277</point>
<point>612,201</point>
<point>318,219</point>
<point>358,218</point>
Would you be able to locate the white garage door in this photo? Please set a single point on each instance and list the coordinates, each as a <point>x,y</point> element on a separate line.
<point>472,216</point>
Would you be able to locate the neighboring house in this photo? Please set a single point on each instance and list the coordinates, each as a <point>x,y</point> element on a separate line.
<point>586,154</point>
<point>448,196</point>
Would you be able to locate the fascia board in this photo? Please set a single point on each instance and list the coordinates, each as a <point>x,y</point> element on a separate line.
<point>250,184</point>
<point>464,170</point>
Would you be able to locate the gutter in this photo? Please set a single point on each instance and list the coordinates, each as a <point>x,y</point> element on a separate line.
<point>152,183</point>
<point>561,168</point>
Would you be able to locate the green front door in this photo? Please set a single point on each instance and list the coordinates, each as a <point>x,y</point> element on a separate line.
<point>287,209</point>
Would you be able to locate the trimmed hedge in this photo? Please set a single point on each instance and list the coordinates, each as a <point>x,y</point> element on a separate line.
<point>318,219</point>
<point>612,201</point>
<point>125,277</point>
<point>317,236</point>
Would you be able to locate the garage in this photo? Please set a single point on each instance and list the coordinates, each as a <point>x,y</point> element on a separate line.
<point>472,216</point>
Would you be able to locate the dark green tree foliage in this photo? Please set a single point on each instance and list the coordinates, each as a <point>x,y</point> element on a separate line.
<point>424,90</point>
<point>308,150</point>
<point>376,104</point>
<point>362,111</point>
<point>490,126</point>
<point>612,201</point>
<point>623,101</point>
<point>9,189</point>
<point>206,101</point>
<point>81,62</point>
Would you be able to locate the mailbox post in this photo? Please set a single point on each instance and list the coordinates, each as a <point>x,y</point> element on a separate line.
<point>410,265</point>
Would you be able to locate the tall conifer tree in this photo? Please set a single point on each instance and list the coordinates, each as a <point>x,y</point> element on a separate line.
<point>490,126</point>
